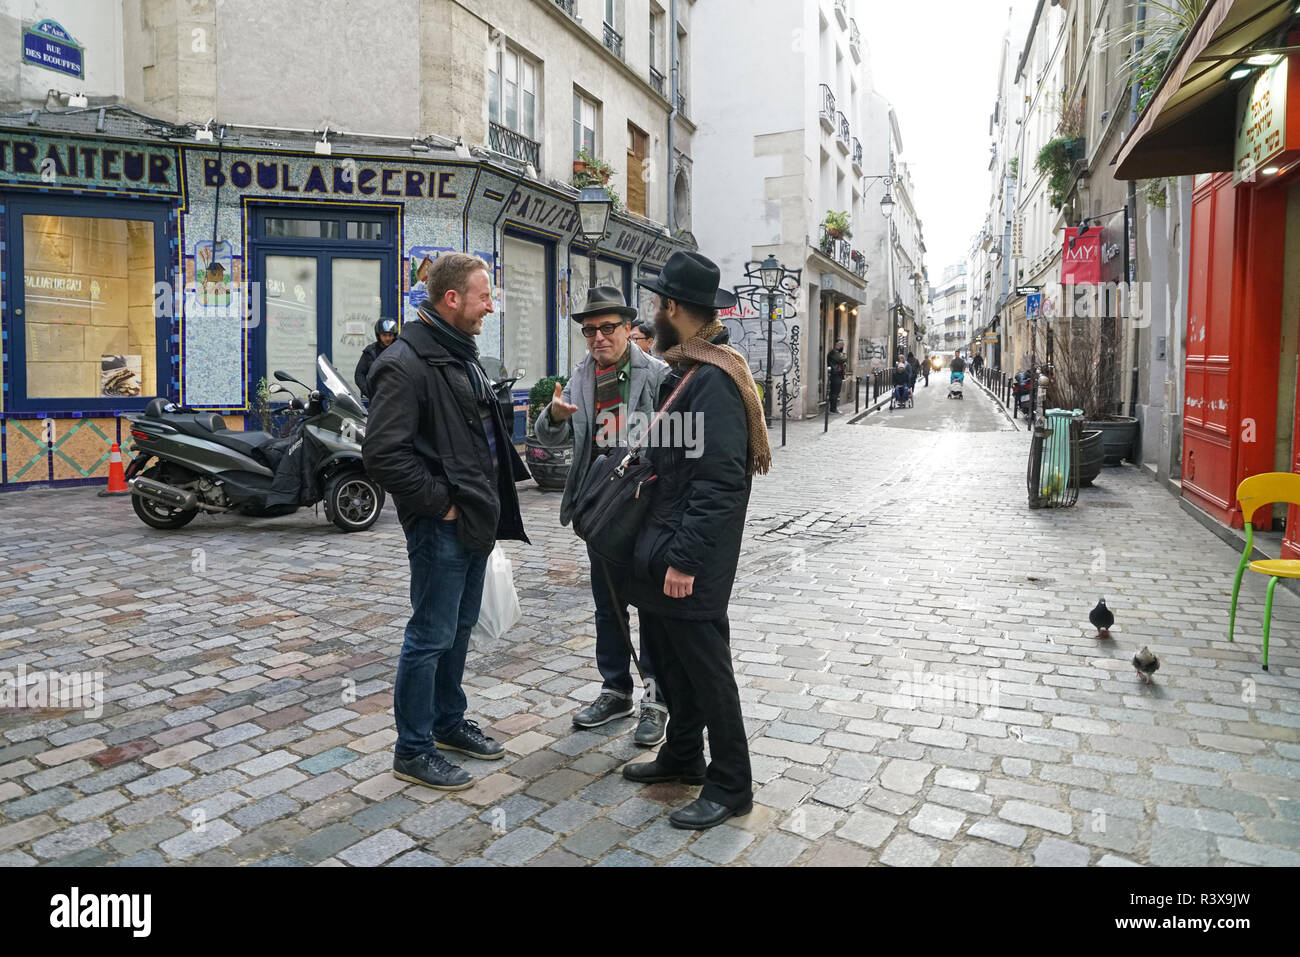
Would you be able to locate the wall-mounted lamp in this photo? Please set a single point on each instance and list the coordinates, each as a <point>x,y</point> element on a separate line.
<point>323,147</point>
<point>205,135</point>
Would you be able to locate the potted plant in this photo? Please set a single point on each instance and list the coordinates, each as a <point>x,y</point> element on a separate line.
<point>1054,162</point>
<point>589,170</point>
<point>1084,379</point>
<point>548,465</point>
<point>837,225</point>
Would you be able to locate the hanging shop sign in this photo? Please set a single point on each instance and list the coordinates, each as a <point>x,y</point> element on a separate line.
<point>1262,133</point>
<point>50,46</point>
<point>1081,257</point>
<point>62,162</point>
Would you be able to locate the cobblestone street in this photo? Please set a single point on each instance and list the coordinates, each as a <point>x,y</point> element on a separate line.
<point>920,682</point>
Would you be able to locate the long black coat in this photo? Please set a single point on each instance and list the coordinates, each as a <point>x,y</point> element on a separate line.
<point>697,518</point>
<point>425,443</point>
<point>362,375</point>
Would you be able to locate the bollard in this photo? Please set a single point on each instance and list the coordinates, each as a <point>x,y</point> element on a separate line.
<point>857,404</point>
<point>827,424</point>
<point>783,394</point>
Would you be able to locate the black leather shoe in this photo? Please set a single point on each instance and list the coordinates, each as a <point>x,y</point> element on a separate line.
<point>703,813</point>
<point>605,709</point>
<point>433,771</point>
<point>652,772</point>
<point>469,739</point>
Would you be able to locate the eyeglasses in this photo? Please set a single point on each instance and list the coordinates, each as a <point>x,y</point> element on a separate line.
<point>639,338</point>
<point>605,330</point>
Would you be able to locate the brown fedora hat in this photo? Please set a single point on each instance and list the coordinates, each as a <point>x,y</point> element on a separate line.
<point>603,300</point>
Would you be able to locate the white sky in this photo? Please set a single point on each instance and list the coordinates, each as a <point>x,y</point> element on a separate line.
<point>937,62</point>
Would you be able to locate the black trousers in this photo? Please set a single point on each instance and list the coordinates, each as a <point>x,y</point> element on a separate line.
<point>693,666</point>
<point>833,393</point>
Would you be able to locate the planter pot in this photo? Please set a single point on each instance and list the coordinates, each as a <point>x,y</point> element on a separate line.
<point>579,166</point>
<point>1119,435</point>
<point>834,233</point>
<point>548,466</point>
<point>1091,455</point>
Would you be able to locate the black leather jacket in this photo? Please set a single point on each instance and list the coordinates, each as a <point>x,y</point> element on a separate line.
<point>426,446</point>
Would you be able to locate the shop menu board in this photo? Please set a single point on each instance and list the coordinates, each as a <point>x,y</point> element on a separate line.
<point>523,326</point>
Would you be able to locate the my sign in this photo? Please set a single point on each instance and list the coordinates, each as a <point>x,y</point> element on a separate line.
<point>50,46</point>
<point>1081,257</point>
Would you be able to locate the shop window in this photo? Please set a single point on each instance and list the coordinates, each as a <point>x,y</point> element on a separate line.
<point>89,330</point>
<point>584,124</point>
<point>301,228</point>
<point>365,230</point>
<point>525,341</point>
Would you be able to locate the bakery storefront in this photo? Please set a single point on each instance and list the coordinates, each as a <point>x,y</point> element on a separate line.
<point>136,267</point>
<point>90,232</point>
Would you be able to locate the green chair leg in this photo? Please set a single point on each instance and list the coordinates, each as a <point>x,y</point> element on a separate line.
<point>1236,587</point>
<point>1268,614</point>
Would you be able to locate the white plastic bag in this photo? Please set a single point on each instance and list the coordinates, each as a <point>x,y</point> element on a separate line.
<point>499,611</point>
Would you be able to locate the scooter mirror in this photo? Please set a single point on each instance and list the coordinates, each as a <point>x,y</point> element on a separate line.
<point>520,373</point>
<point>275,387</point>
<point>284,376</point>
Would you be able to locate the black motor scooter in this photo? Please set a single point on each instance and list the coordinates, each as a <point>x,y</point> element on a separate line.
<point>187,461</point>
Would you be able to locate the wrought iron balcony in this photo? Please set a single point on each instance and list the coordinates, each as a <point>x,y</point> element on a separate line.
<point>613,41</point>
<point>828,109</point>
<point>857,154</point>
<point>859,264</point>
<point>516,145</point>
<point>681,103</point>
<point>843,138</point>
<point>855,40</point>
<point>565,5</point>
<point>836,250</point>
<point>842,12</point>
<point>657,81</point>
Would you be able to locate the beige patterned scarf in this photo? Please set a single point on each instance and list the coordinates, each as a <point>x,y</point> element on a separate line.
<point>699,350</point>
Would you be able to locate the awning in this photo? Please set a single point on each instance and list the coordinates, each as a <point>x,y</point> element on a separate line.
<point>1189,125</point>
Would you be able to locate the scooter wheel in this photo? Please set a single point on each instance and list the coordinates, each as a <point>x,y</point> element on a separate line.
<point>353,501</point>
<point>160,516</point>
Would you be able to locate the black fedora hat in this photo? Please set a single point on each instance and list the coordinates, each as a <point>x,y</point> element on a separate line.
<point>690,277</point>
<point>603,300</point>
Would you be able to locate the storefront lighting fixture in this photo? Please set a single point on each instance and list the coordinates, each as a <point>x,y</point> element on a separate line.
<point>1271,170</point>
<point>462,150</point>
<point>204,135</point>
<point>323,145</point>
<point>1264,59</point>
<point>1240,73</point>
<point>75,99</point>
<point>843,306</point>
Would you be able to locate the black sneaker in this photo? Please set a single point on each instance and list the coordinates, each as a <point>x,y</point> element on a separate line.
<point>468,739</point>
<point>652,728</point>
<point>603,710</point>
<point>433,771</point>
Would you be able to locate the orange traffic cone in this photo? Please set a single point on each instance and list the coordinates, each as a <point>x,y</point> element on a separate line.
<point>116,476</point>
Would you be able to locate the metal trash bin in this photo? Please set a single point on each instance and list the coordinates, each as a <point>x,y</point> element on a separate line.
<point>1054,454</point>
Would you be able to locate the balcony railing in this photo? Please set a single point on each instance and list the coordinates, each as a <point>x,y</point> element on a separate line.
<point>855,40</point>
<point>857,154</point>
<point>657,81</point>
<point>828,108</point>
<point>565,5</point>
<point>681,103</point>
<point>613,41</point>
<point>859,264</point>
<point>842,12</point>
<point>516,145</point>
<point>836,250</point>
<point>843,138</point>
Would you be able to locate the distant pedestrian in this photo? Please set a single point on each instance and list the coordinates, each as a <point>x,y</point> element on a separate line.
<point>643,335</point>
<point>385,334</point>
<point>838,363</point>
<point>925,370</point>
<point>913,370</point>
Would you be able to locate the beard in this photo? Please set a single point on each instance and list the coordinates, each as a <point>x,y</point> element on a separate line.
<point>665,335</point>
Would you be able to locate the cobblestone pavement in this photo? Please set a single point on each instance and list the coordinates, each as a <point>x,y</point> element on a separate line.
<point>919,680</point>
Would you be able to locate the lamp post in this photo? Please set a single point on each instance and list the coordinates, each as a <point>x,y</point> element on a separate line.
<point>594,205</point>
<point>772,284</point>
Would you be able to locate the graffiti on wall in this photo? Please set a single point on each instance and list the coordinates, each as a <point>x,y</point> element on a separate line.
<point>789,388</point>
<point>873,353</point>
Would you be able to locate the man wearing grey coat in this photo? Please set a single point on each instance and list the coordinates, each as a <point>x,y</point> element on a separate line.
<point>615,382</point>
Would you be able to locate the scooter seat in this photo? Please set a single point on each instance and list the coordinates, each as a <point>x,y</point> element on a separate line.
<point>246,443</point>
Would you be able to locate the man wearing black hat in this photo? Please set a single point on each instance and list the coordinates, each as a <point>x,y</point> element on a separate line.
<point>616,380</point>
<point>686,553</point>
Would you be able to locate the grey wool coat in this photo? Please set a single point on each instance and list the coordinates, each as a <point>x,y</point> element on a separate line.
<point>647,374</point>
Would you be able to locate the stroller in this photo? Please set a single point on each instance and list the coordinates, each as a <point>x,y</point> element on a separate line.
<point>956,385</point>
<point>901,397</point>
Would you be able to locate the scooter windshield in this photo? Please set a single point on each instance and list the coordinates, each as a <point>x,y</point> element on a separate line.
<point>339,388</point>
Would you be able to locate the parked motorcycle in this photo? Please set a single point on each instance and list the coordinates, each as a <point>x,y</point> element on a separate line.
<point>188,461</point>
<point>1022,393</point>
<point>503,382</point>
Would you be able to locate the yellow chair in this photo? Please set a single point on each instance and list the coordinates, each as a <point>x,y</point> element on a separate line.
<point>1254,493</point>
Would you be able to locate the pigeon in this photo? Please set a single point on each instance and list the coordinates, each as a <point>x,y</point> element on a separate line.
<point>1146,664</point>
<point>1101,619</point>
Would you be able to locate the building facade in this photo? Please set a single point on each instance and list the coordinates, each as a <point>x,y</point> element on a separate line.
<point>767,181</point>
<point>186,234</point>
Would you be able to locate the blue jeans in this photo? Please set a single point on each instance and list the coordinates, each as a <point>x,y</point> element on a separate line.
<point>446,589</point>
<point>613,657</point>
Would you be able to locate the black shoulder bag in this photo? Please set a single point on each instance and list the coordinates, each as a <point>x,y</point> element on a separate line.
<point>611,504</point>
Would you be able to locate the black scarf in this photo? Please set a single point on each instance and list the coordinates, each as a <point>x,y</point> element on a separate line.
<point>464,348</point>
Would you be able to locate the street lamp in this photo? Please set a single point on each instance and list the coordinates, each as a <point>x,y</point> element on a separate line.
<point>886,201</point>
<point>594,205</point>
<point>777,284</point>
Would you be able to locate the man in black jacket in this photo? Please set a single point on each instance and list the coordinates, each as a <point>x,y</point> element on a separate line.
<point>437,441</point>
<point>385,333</point>
<point>686,554</point>
<point>838,363</point>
